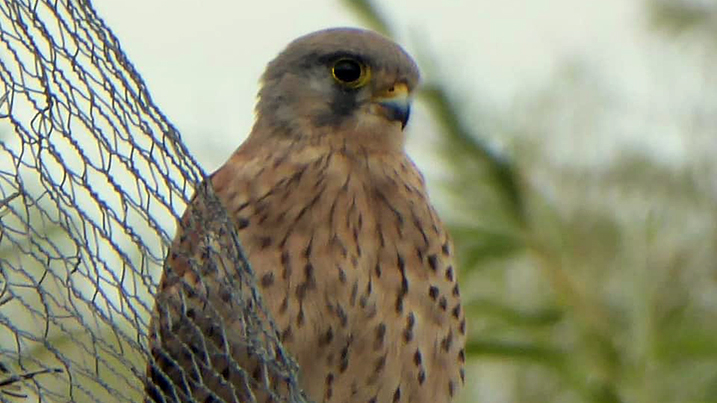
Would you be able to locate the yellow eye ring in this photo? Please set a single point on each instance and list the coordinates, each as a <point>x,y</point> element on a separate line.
<point>350,72</point>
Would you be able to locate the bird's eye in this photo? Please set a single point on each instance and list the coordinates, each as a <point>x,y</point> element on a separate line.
<point>350,72</point>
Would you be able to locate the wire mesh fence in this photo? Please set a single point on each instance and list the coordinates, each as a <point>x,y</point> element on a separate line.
<point>93,178</point>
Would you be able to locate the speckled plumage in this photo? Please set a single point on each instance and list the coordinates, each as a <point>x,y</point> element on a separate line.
<point>351,258</point>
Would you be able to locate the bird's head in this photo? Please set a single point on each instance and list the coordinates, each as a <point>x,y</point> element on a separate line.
<point>342,86</point>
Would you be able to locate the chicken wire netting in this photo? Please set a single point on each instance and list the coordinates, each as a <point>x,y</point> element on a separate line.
<point>93,178</point>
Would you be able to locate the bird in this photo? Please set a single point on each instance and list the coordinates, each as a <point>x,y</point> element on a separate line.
<point>351,259</point>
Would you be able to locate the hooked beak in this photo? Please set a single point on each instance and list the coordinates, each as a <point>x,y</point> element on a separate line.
<point>395,103</point>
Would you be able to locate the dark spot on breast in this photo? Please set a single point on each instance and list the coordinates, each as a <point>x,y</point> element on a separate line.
<point>447,341</point>
<point>462,373</point>
<point>462,355</point>
<point>446,249</point>
<point>417,358</point>
<point>462,327</point>
<point>443,303</point>
<point>419,253</point>
<point>420,229</point>
<point>407,335</point>
<point>284,305</point>
<point>344,359</point>
<point>379,233</point>
<point>327,337</point>
<point>329,385</point>
<point>421,376</point>
<point>404,285</point>
<point>433,262</point>
<point>397,395</point>
<point>456,311</point>
<point>354,293</point>
<point>377,270</point>
<point>380,335</point>
<point>309,275</point>
<point>286,272</point>
<point>456,291</point>
<point>343,317</point>
<point>307,250</point>
<point>399,304</point>
<point>400,262</point>
<point>433,292</point>
<point>451,388</point>
<point>308,284</point>
<point>408,331</point>
<point>449,273</point>
<point>267,280</point>
<point>363,301</point>
<point>242,223</point>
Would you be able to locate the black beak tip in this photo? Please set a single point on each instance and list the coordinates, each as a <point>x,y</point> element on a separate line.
<point>398,112</point>
<point>405,116</point>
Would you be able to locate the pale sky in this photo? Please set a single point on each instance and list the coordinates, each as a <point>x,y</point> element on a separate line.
<point>202,60</point>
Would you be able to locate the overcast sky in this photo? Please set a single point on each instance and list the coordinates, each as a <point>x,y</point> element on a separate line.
<point>202,60</point>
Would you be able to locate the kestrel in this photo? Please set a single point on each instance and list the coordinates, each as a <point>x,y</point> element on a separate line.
<point>351,259</point>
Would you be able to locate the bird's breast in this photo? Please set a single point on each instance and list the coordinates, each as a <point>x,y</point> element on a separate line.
<point>356,270</point>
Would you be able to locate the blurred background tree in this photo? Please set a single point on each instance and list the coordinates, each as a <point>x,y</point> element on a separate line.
<point>584,281</point>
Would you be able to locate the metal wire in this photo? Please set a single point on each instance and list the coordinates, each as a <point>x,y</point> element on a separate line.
<point>93,178</point>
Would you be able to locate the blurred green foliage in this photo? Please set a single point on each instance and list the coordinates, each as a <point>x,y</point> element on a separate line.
<point>581,283</point>
<point>676,17</point>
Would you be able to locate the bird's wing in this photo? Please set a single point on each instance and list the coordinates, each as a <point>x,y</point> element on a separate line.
<point>206,291</point>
